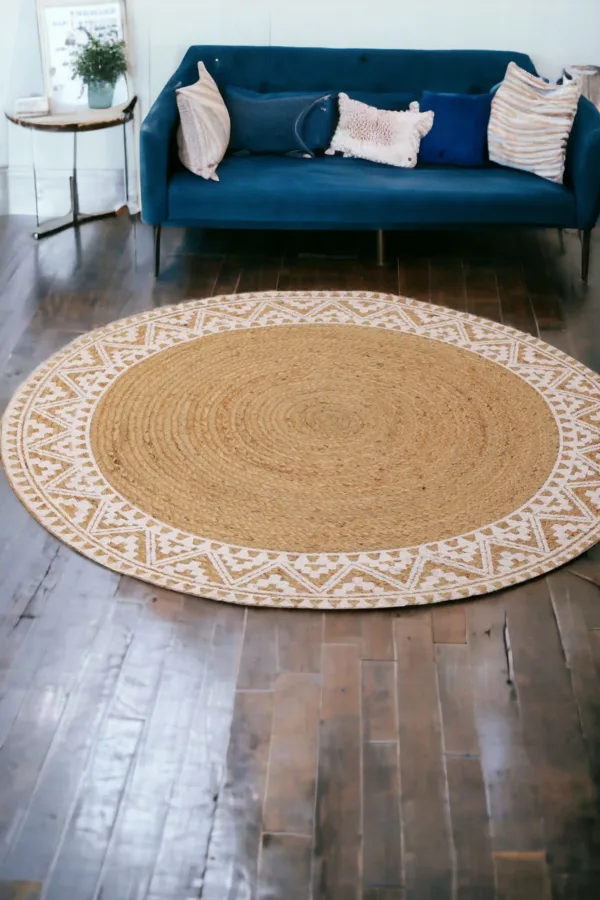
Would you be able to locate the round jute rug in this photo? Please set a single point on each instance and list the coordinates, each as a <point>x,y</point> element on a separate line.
<point>312,449</point>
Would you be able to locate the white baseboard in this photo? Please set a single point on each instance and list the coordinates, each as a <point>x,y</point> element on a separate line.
<point>100,190</point>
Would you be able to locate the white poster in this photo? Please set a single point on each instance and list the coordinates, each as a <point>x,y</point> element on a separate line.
<point>65,30</point>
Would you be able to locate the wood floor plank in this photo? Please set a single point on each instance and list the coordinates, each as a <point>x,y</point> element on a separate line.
<point>578,646</point>
<point>470,829</point>
<point>50,803</point>
<point>25,290</point>
<point>576,886</point>
<point>482,291</point>
<point>377,636</point>
<point>383,893</point>
<point>594,637</point>
<point>66,617</point>
<point>415,277</point>
<point>140,678</point>
<point>515,302</point>
<point>382,837</point>
<point>189,277</point>
<point>184,849</point>
<point>23,753</point>
<point>285,867</point>
<point>164,742</point>
<point>522,877</point>
<point>542,290</point>
<point>516,823</point>
<point>582,588</point>
<point>86,839</point>
<point>299,640</point>
<point>336,873</point>
<point>302,274</point>
<point>259,664</point>
<point>425,809</point>
<point>448,282</point>
<point>25,560</point>
<point>232,866</point>
<point>343,628</point>
<point>259,273</point>
<point>229,276</point>
<point>379,709</point>
<point>455,679</point>
<point>552,731</point>
<point>290,795</point>
<point>11,701</point>
<point>449,624</point>
<point>384,278</point>
<point>20,890</point>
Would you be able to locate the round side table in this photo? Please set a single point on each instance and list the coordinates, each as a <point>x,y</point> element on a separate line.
<point>75,123</point>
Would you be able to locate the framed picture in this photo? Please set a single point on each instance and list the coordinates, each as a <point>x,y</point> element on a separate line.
<point>64,25</point>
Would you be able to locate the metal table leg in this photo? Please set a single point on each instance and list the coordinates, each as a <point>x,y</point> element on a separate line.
<point>126,158</point>
<point>35,184</point>
<point>75,217</point>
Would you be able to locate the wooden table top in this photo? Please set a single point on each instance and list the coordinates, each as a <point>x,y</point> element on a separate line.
<point>84,119</point>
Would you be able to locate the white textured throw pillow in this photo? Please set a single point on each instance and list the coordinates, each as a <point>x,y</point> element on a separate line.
<point>380,135</point>
<point>203,136</point>
<point>530,123</point>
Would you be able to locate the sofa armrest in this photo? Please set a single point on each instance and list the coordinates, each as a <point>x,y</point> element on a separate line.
<point>156,140</point>
<point>583,163</point>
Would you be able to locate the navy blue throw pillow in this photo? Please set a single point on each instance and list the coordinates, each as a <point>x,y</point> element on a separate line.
<point>459,133</point>
<point>396,102</point>
<point>288,122</point>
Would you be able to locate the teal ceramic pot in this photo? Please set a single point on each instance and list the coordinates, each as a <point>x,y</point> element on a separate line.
<point>100,94</point>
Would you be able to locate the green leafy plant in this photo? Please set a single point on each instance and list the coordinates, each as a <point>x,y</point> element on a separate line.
<point>100,60</point>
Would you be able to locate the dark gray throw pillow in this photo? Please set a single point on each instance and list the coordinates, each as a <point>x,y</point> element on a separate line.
<point>287,122</point>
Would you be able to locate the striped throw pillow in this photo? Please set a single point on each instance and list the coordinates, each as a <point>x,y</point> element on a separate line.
<point>203,136</point>
<point>530,123</point>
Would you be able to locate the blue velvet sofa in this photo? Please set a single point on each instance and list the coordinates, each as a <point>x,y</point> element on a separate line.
<point>278,192</point>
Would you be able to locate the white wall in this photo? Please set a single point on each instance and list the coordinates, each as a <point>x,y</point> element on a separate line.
<point>554,32</point>
<point>8,30</point>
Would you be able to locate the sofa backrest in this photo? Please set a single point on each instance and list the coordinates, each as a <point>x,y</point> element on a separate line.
<point>315,68</point>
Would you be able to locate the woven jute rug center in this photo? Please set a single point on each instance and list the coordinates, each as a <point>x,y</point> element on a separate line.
<point>312,449</point>
<point>323,439</point>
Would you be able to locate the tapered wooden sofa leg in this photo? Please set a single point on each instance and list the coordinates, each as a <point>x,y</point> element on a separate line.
<point>380,248</point>
<point>586,245</point>
<point>157,236</point>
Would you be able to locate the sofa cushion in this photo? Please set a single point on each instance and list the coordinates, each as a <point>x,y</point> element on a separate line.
<point>286,122</point>
<point>333,192</point>
<point>459,133</point>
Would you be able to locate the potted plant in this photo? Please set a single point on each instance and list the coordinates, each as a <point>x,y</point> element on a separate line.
<point>100,64</point>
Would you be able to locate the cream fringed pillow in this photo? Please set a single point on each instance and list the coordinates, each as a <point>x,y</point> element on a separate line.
<point>530,123</point>
<point>380,135</point>
<point>203,136</point>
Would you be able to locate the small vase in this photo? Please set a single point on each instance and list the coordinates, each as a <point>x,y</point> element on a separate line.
<point>100,94</point>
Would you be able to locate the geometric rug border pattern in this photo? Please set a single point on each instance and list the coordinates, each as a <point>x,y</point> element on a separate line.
<point>46,452</point>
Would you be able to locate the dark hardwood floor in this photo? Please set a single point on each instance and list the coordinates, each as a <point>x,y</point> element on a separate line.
<point>163,747</point>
